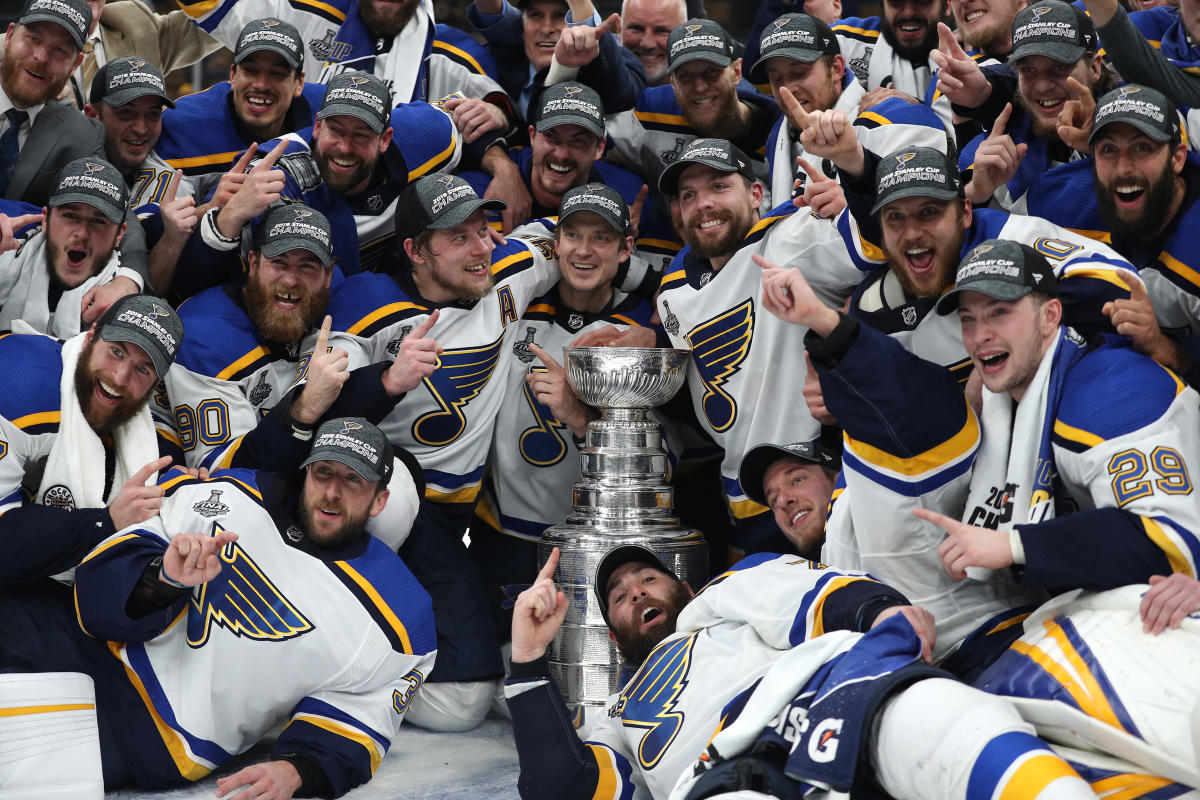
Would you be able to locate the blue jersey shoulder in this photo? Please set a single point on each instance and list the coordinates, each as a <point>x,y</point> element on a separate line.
<point>362,295</point>
<point>32,369</point>
<point>391,579</point>
<point>217,334</point>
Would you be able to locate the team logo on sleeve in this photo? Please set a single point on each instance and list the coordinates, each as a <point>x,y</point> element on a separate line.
<point>719,346</point>
<point>243,600</point>
<point>648,701</point>
<point>461,375</point>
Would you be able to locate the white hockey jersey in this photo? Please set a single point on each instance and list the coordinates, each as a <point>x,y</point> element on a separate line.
<point>746,373</point>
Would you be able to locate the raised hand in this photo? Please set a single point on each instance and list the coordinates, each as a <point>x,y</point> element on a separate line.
<point>137,502</point>
<point>968,545</point>
<point>959,77</point>
<point>538,614</point>
<point>996,160</point>
<point>829,134</point>
<point>1075,119</point>
<point>550,388</point>
<point>507,185</point>
<point>179,215</point>
<point>474,117</point>
<point>97,299</point>
<point>191,558</point>
<point>327,371</point>
<point>822,194</point>
<point>787,295</point>
<point>416,359</point>
<point>258,191</point>
<point>10,225</point>
<point>1135,319</point>
<point>635,210</point>
<point>232,180</point>
<point>580,44</point>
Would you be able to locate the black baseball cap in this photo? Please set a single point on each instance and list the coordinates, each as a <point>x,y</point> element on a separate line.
<point>1144,108</point>
<point>799,37</point>
<point>95,182</point>
<point>356,443</point>
<point>148,322</point>
<point>759,459</point>
<point>360,95</point>
<point>295,226</point>
<point>570,103</point>
<point>74,15</point>
<point>699,39</point>
<point>599,199</point>
<point>1052,29</point>
<point>438,202</point>
<point>123,80</point>
<point>1003,269</point>
<point>916,172</point>
<point>720,154</point>
<point>618,557</point>
<point>270,33</point>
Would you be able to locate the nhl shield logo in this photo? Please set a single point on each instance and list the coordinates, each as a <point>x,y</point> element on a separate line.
<point>375,202</point>
<point>212,507</point>
<point>706,277</point>
<point>575,321</point>
<point>59,496</point>
<point>294,533</point>
<point>909,315</point>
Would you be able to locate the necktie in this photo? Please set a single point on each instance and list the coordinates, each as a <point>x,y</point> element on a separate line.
<point>10,145</point>
<point>87,71</point>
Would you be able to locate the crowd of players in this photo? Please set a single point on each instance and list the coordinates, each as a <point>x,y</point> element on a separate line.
<point>931,266</point>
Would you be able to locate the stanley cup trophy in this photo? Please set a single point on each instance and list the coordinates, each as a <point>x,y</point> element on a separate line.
<point>622,498</point>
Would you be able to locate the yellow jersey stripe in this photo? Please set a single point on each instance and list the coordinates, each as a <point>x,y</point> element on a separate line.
<point>1074,434</point>
<point>432,163</point>
<point>463,54</point>
<point>1179,268</point>
<point>1163,541</point>
<point>1128,786</point>
<point>198,10</point>
<point>107,545</point>
<point>345,732</point>
<point>1084,690</point>
<point>816,610</point>
<point>380,604</point>
<point>328,9</point>
<point>242,363</point>
<point>1107,275</point>
<point>202,161</point>
<point>23,711</point>
<point>744,509</point>
<point>937,456</point>
<point>667,119</point>
<point>875,117</point>
<point>40,418</point>
<point>508,261</point>
<point>1033,775</point>
<point>380,313</point>
<point>465,495</point>
<point>859,31</point>
<point>606,786</point>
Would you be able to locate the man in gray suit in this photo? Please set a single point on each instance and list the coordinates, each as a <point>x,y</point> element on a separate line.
<point>39,136</point>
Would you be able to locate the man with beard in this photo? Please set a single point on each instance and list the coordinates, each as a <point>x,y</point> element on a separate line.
<point>779,678</point>
<point>645,28</point>
<point>1139,192</point>
<point>395,40</point>
<point>43,282</point>
<point>288,611</point>
<point>703,100</point>
<point>78,435</point>
<point>796,482</point>
<point>451,282</point>
<point>1056,59</point>
<point>37,135</point>
<point>231,400</point>
<point>265,97</point>
<point>708,304</point>
<point>986,26</point>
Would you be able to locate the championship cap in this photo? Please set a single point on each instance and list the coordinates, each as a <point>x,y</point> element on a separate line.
<point>359,95</point>
<point>270,33</point>
<point>916,172</point>
<point>1003,269</point>
<point>95,182</point>
<point>570,103</point>
<point>759,459</point>
<point>700,39</point>
<point>720,154</point>
<point>146,321</point>
<point>295,226</point>
<point>123,80</point>
<point>618,557</point>
<point>74,15</point>
<point>599,199</point>
<point>799,37</point>
<point>1052,29</point>
<point>1144,108</point>
<point>438,202</point>
<point>356,443</point>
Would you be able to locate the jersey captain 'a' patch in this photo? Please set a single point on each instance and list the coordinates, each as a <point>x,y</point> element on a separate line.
<point>719,346</point>
<point>244,601</point>
<point>460,376</point>
<point>649,699</point>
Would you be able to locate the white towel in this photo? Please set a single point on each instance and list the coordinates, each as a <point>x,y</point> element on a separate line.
<point>888,69</point>
<point>76,461</point>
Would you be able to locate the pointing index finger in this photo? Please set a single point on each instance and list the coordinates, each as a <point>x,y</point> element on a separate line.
<point>793,109</point>
<point>323,335</point>
<point>426,326</point>
<point>270,158</point>
<point>547,571</point>
<point>610,25</point>
<point>1001,121</point>
<point>173,186</point>
<point>810,170</point>
<point>545,357</point>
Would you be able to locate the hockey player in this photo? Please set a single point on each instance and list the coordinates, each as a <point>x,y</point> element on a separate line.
<point>703,100</point>
<point>230,402</point>
<point>76,430</point>
<point>780,677</point>
<point>535,446</point>
<point>48,280</point>
<point>708,303</point>
<point>397,42</point>
<point>248,602</point>
<point>796,481</point>
<point>801,55</point>
<point>455,285</point>
<point>265,96</point>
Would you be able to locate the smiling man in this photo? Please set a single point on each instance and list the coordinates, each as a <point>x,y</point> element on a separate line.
<point>45,279</point>
<point>645,27</point>
<point>796,482</point>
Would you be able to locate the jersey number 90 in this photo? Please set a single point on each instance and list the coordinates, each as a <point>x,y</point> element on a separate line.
<point>206,424</point>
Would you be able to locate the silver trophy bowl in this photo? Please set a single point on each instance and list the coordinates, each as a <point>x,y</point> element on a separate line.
<point>622,497</point>
<point>625,377</point>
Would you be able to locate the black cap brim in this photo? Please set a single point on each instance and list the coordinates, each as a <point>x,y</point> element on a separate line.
<point>619,557</point>
<point>288,57</point>
<point>937,193</point>
<point>720,59</point>
<point>350,110</point>
<point>554,120</point>
<point>668,182</point>
<point>111,211</point>
<point>283,244</point>
<point>1058,51</point>
<point>1155,132</point>
<point>57,20</point>
<point>758,460</point>
<point>456,215</point>
<point>126,96</point>
<point>803,55</point>
<point>999,290</point>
